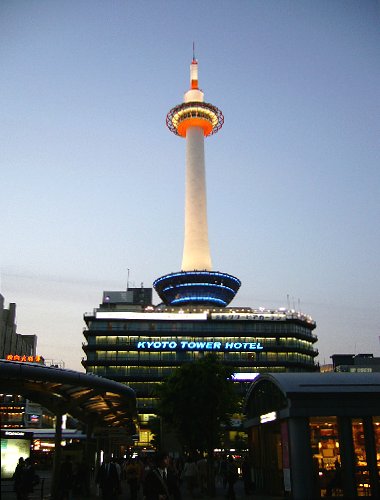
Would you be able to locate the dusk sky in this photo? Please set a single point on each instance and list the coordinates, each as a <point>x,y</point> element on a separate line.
<point>92,181</point>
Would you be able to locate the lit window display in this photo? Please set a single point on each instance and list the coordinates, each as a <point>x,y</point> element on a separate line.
<point>326,455</point>
<point>361,473</point>
<point>376,430</point>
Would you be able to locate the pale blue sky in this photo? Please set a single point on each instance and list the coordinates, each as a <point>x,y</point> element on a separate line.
<point>92,182</point>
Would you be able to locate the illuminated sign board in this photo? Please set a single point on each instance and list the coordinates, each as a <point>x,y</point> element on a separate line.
<point>197,345</point>
<point>244,376</point>
<point>14,444</point>
<point>254,315</point>
<point>17,433</point>
<point>24,358</point>
<point>150,316</point>
<point>268,417</point>
<point>259,316</point>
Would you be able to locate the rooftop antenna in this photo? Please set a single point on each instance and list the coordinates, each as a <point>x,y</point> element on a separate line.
<point>193,51</point>
<point>128,280</point>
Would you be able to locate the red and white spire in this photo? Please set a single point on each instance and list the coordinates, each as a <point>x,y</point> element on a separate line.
<point>194,72</point>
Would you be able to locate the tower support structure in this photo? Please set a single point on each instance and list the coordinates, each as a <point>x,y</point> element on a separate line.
<point>196,251</point>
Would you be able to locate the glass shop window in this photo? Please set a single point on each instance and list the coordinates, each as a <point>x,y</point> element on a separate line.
<point>324,440</point>
<point>361,469</point>
<point>376,430</point>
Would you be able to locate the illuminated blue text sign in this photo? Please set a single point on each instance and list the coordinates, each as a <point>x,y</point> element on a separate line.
<point>189,345</point>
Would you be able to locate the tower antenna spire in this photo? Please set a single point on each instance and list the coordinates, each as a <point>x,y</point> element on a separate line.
<point>193,51</point>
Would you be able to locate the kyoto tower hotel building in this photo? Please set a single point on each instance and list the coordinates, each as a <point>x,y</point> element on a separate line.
<point>130,340</point>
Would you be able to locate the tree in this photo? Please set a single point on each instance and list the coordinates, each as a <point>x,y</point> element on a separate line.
<point>155,429</point>
<point>196,400</point>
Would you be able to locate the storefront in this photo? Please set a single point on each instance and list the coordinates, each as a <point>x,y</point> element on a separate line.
<point>313,435</point>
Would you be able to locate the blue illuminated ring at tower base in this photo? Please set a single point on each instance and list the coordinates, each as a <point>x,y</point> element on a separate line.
<point>197,288</point>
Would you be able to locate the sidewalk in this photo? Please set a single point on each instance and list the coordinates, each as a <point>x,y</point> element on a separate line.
<point>42,492</point>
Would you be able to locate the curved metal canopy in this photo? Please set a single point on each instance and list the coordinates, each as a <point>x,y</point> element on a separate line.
<point>311,394</point>
<point>89,398</point>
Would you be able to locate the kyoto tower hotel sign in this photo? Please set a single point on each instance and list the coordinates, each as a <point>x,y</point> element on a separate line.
<point>196,283</point>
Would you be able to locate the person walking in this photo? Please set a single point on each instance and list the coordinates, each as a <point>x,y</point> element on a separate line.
<point>30,478</point>
<point>160,482</point>
<point>18,478</point>
<point>246,474</point>
<point>202,475</point>
<point>222,471</point>
<point>108,479</point>
<point>132,472</point>
<point>66,479</point>
<point>190,475</point>
<point>232,477</point>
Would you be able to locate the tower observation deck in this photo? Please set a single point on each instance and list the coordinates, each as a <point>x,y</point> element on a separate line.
<point>196,283</point>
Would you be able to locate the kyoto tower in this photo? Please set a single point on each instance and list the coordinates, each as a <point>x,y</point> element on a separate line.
<point>196,283</point>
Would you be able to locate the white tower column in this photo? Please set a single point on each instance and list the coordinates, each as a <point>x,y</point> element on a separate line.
<point>196,251</point>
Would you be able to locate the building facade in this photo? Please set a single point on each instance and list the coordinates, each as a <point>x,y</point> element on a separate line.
<point>15,410</point>
<point>12,342</point>
<point>315,435</point>
<point>140,345</point>
<point>355,363</point>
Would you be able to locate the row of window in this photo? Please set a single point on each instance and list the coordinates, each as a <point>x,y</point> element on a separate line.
<point>146,371</point>
<point>181,357</point>
<point>201,327</point>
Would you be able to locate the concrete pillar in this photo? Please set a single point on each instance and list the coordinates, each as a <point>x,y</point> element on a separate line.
<point>301,463</point>
<point>347,454</point>
<point>88,459</point>
<point>57,457</point>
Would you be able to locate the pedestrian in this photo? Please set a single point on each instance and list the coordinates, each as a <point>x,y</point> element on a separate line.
<point>247,479</point>
<point>30,478</point>
<point>222,472</point>
<point>66,479</point>
<point>336,480</point>
<point>18,477</point>
<point>190,475</point>
<point>81,480</point>
<point>108,479</point>
<point>118,467</point>
<point>132,473</point>
<point>232,477</point>
<point>202,474</point>
<point>161,482</point>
